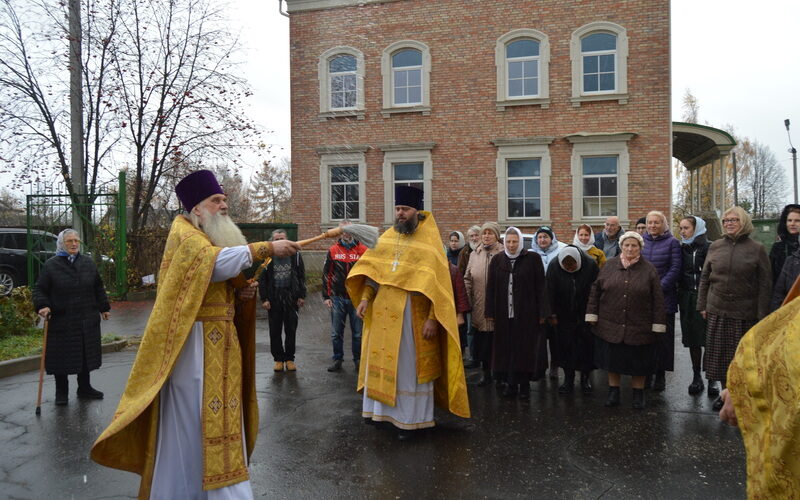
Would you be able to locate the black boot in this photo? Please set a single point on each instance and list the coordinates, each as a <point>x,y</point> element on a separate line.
<point>713,389</point>
<point>486,378</point>
<point>569,382</point>
<point>660,382</point>
<point>613,396</point>
<point>586,383</point>
<point>648,381</point>
<point>696,387</point>
<point>85,389</point>
<point>638,399</point>
<point>62,390</point>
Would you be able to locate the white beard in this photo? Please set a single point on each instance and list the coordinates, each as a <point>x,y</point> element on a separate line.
<point>220,229</point>
<point>473,244</point>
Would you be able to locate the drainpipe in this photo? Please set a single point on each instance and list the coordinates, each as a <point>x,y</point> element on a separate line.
<point>280,9</point>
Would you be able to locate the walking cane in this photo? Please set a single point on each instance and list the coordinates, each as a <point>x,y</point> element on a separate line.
<point>41,366</point>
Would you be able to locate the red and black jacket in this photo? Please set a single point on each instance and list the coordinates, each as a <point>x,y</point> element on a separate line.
<point>338,263</point>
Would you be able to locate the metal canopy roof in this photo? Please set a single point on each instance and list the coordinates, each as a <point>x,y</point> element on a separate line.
<point>697,145</point>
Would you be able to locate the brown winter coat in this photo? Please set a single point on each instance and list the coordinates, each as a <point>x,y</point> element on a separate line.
<point>475,280</point>
<point>627,304</point>
<point>737,279</point>
<point>463,259</point>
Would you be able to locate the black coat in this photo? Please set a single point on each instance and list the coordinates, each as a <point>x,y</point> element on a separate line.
<point>787,277</point>
<point>297,287</point>
<point>519,345</point>
<point>694,256</point>
<point>75,295</point>
<point>569,292</point>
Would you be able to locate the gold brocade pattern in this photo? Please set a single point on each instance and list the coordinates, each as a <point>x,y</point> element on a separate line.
<point>223,457</point>
<point>422,270</point>
<point>128,443</point>
<point>764,382</point>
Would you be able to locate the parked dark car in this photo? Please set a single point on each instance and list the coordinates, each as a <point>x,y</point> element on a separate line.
<point>14,255</point>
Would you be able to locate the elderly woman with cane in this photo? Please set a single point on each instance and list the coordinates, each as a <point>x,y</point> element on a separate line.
<point>70,292</point>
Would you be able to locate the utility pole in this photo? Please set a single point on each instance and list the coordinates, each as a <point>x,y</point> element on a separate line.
<point>76,113</point>
<point>735,181</point>
<point>792,150</point>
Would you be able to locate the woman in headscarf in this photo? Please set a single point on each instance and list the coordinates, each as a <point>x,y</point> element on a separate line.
<point>584,239</point>
<point>547,246</point>
<point>734,293</point>
<point>516,300</point>
<point>694,247</point>
<point>455,244</point>
<point>626,305</point>
<point>664,251</point>
<point>69,290</point>
<point>475,281</point>
<point>569,281</point>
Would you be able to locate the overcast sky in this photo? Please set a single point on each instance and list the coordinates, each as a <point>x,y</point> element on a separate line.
<point>739,58</point>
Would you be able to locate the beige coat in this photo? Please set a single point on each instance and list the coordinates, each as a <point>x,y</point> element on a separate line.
<point>475,281</point>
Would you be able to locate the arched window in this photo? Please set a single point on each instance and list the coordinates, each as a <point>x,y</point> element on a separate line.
<point>406,67</point>
<point>599,60</point>
<point>343,91</point>
<point>341,82</point>
<point>522,58</point>
<point>599,53</point>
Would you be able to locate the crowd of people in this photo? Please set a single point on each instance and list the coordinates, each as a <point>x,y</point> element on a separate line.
<point>605,301</point>
<point>608,300</point>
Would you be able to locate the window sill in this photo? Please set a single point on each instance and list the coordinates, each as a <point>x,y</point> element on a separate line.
<point>388,112</point>
<point>358,113</point>
<point>598,221</point>
<point>544,102</point>
<point>621,98</point>
<point>527,221</point>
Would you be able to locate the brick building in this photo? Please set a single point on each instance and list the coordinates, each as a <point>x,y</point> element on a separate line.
<point>528,113</point>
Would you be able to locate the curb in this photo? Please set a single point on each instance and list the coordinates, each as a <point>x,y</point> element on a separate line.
<point>30,363</point>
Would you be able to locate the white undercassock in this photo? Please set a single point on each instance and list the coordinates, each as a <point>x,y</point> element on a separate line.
<point>414,402</point>
<point>178,470</point>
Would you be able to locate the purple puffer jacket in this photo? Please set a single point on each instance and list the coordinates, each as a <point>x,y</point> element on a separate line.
<point>664,252</point>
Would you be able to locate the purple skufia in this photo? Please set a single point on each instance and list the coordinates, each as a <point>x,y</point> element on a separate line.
<point>196,187</point>
<point>408,196</point>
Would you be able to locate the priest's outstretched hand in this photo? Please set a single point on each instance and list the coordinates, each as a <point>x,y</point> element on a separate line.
<point>284,248</point>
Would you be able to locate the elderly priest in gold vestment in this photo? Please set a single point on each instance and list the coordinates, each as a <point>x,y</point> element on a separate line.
<point>410,350</point>
<point>187,421</point>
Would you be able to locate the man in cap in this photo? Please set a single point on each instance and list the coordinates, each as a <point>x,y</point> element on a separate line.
<point>410,353</point>
<point>187,421</point>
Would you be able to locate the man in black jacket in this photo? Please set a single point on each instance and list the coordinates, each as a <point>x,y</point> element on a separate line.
<point>282,287</point>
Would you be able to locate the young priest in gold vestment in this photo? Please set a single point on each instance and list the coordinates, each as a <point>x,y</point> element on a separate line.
<point>410,348</point>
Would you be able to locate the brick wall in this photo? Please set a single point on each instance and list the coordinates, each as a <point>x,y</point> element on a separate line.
<point>463,93</point>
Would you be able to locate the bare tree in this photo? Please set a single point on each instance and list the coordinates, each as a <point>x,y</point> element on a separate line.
<point>763,179</point>
<point>271,191</point>
<point>162,92</point>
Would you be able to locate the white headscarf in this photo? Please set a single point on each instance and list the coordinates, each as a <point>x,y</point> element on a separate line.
<point>61,248</point>
<point>570,251</point>
<point>700,228</point>
<point>577,242</point>
<point>513,229</point>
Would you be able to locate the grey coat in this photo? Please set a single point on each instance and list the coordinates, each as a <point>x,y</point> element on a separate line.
<point>75,295</point>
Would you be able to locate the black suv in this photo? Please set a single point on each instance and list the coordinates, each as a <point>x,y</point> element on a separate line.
<point>14,255</point>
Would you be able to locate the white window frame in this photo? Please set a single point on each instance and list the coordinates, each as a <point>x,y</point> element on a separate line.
<point>341,156</point>
<point>501,65</point>
<point>522,149</point>
<point>387,73</point>
<point>324,77</point>
<point>405,153</point>
<point>620,94</point>
<point>600,144</point>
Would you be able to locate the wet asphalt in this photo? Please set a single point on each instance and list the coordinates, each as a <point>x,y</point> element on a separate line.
<point>313,442</point>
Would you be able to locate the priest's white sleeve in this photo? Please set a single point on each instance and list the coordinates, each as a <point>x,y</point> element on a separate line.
<point>230,262</point>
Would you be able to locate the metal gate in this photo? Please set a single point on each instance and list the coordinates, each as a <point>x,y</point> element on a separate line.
<point>103,231</point>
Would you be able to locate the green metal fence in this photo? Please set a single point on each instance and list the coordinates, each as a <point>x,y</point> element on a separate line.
<point>103,229</point>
